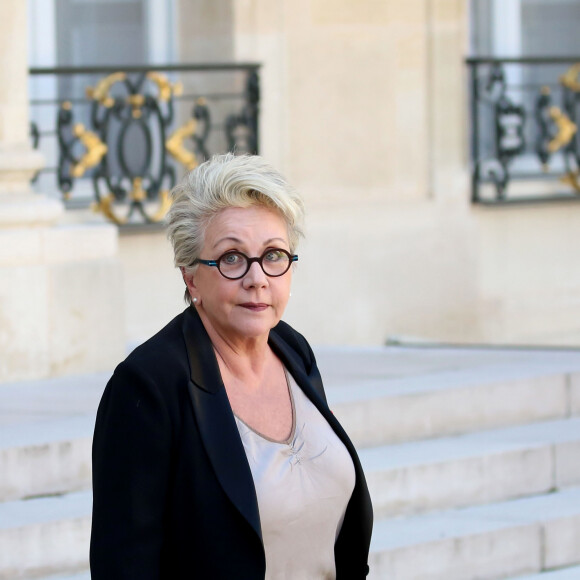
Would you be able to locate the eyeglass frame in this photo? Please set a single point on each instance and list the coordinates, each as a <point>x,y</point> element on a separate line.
<point>249,261</point>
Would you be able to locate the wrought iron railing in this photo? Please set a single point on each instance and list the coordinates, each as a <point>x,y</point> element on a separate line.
<point>524,117</point>
<point>120,138</point>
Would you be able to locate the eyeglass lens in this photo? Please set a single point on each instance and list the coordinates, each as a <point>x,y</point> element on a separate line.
<point>235,264</point>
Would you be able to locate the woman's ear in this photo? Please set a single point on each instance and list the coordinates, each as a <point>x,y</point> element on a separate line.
<point>188,279</point>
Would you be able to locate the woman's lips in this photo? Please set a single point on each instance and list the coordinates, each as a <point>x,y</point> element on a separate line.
<point>254,306</point>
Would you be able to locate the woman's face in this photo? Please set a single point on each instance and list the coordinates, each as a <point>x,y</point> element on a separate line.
<point>249,307</point>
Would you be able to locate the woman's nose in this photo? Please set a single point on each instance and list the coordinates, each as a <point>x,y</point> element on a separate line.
<point>255,276</point>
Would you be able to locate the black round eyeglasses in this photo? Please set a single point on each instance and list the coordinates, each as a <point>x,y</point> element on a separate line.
<point>234,265</point>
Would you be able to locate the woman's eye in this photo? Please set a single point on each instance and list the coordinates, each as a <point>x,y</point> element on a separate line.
<point>274,256</point>
<point>232,259</point>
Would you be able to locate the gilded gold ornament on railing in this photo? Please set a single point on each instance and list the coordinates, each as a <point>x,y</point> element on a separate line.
<point>100,93</point>
<point>175,148</point>
<point>105,206</point>
<point>128,164</point>
<point>566,129</point>
<point>557,132</point>
<point>127,144</point>
<point>95,150</point>
<point>570,78</point>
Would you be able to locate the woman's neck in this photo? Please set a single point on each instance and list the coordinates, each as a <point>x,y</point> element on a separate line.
<point>246,359</point>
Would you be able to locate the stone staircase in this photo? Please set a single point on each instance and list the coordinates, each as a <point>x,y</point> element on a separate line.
<point>472,458</point>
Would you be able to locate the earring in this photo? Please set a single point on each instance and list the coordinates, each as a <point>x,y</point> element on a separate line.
<point>290,294</point>
<point>195,300</point>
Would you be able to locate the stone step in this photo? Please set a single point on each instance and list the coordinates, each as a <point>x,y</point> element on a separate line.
<point>55,457</point>
<point>379,402</point>
<point>381,395</point>
<point>43,536</point>
<point>82,575</point>
<point>48,457</point>
<point>46,429</point>
<point>571,573</point>
<point>49,535</point>
<point>488,542</point>
<point>474,468</point>
<point>30,402</point>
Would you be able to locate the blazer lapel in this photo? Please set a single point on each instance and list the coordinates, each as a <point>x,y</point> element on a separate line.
<point>295,365</point>
<point>216,422</point>
<point>360,499</point>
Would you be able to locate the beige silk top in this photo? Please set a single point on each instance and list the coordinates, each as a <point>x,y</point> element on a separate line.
<point>303,486</point>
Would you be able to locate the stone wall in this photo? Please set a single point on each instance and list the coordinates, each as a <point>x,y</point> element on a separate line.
<point>364,107</point>
<point>60,291</point>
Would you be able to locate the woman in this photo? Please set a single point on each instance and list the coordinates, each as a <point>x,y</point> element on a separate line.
<point>215,454</point>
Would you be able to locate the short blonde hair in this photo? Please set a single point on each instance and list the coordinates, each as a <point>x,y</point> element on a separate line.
<point>221,182</point>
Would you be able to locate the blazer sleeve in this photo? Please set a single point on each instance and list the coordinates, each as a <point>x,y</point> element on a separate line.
<point>131,457</point>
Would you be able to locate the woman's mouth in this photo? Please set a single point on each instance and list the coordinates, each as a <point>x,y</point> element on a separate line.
<point>254,306</point>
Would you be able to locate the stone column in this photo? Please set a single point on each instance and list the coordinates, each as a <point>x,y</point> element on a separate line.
<point>18,161</point>
<point>60,285</point>
<point>447,32</point>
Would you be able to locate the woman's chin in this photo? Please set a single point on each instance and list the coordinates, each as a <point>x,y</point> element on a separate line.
<point>254,326</point>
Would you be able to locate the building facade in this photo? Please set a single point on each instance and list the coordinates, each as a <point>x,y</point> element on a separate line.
<point>366,107</point>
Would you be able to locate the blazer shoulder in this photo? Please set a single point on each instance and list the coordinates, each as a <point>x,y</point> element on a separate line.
<point>297,342</point>
<point>161,355</point>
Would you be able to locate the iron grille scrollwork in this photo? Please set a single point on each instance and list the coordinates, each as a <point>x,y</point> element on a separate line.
<point>509,120</point>
<point>242,128</point>
<point>524,142</point>
<point>129,146</point>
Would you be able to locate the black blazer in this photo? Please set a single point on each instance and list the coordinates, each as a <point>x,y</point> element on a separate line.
<point>173,494</point>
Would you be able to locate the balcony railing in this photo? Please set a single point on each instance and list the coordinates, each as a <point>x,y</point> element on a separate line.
<point>119,138</point>
<point>525,145</point>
